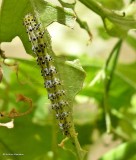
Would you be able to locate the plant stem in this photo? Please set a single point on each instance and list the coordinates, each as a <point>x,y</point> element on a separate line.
<point>75,145</point>
<point>54,139</point>
<point>108,79</point>
<point>114,17</point>
<point>94,6</point>
<point>80,153</point>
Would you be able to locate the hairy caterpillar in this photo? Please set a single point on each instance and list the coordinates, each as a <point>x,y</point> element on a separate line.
<point>52,82</point>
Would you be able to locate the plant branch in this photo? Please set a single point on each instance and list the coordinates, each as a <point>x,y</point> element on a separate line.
<point>79,151</point>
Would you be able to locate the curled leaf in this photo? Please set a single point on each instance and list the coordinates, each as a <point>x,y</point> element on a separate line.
<point>82,24</point>
<point>21,97</point>
<point>13,113</point>
<point>50,13</point>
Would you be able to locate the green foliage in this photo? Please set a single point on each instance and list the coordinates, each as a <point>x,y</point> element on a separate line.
<point>124,151</point>
<point>117,23</point>
<point>95,88</point>
<point>110,85</point>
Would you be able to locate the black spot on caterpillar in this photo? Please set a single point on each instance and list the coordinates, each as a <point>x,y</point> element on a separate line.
<point>58,106</point>
<point>52,82</point>
<point>62,115</point>
<point>49,71</point>
<point>56,95</point>
<point>64,126</point>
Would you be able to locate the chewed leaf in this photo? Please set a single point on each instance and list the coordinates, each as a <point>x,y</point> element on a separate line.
<point>83,24</point>
<point>49,13</point>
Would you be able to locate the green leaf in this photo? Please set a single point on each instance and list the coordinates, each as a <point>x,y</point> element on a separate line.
<point>83,24</point>
<point>25,133</point>
<point>50,13</point>
<point>112,4</point>
<point>124,76</point>
<point>72,75</point>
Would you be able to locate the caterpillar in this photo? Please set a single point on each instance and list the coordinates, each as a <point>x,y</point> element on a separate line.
<point>52,82</point>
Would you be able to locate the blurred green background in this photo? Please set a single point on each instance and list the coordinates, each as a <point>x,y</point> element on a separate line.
<point>34,135</point>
